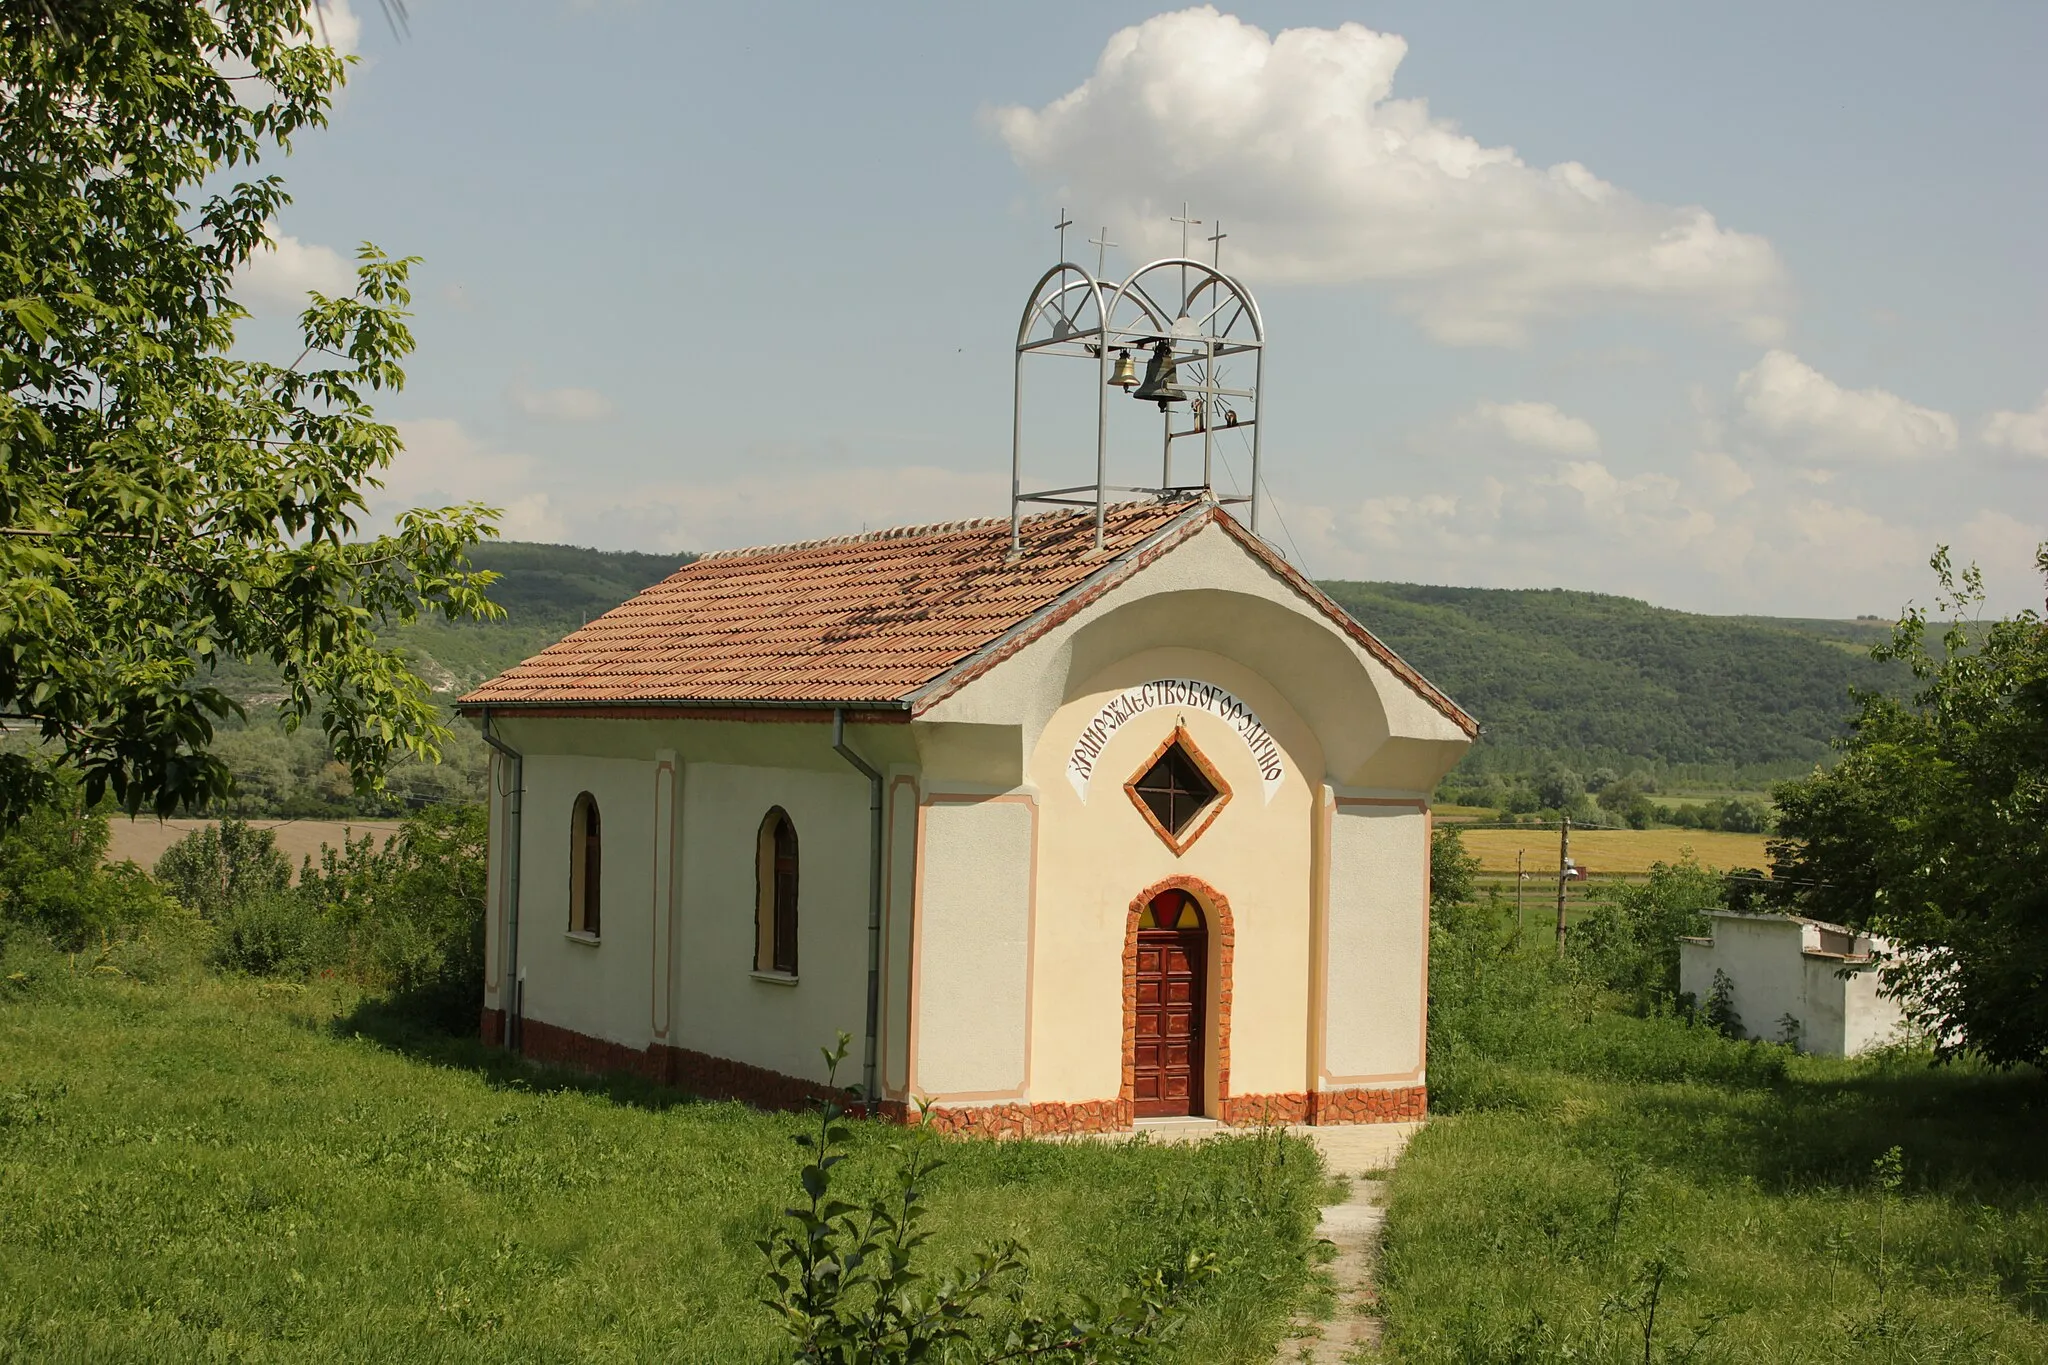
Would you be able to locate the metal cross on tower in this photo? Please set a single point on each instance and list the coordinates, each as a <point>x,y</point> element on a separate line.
<point>1102,245</point>
<point>1185,223</point>
<point>1061,228</point>
<point>1215,239</point>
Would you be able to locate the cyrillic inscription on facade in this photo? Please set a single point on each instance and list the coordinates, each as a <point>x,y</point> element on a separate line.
<point>1185,694</point>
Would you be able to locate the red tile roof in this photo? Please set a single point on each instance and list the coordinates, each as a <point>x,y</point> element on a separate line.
<point>855,619</point>
<point>870,620</point>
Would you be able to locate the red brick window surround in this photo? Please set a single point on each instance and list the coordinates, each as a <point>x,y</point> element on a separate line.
<point>1222,957</point>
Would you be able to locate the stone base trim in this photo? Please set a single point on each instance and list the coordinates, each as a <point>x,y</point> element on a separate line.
<point>1329,1107</point>
<point>720,1078</point>
<point>1032,1120</point>
<point>1402,1104</point>
<point>699,1073</point>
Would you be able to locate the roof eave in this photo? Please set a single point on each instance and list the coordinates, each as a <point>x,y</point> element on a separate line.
<point>473,705</point>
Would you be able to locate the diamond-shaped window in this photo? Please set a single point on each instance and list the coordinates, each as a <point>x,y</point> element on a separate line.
<point>1178,792</point>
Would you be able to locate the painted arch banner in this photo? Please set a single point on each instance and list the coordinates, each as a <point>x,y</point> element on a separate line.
<point>1185,694</point>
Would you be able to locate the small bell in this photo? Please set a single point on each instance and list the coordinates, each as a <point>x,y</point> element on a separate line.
<point>1162,378</point>
<point>1125,376</point>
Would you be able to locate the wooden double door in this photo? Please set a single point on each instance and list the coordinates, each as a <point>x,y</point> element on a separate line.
<point>1168,1058</point>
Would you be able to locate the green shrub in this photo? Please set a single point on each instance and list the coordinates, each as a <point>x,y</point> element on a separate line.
<point>279,933</point>
<point>412,912</point>
<point>1628,944</point>
<point>216,868</point>
<point>54,884</point>
<point>1453,872</point>
<point>407,917</point>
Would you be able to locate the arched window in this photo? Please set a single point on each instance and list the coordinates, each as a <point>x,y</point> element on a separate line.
<point>586,841</point>
<point>775,895</point>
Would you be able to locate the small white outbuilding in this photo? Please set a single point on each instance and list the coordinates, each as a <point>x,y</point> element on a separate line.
<point>1782,968</point>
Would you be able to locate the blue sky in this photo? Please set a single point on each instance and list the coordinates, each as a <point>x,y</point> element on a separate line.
<point>1734,308</point>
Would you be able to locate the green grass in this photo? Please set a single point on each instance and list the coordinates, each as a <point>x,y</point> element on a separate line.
<point>1579,1149</point>
<point>212,1169</point>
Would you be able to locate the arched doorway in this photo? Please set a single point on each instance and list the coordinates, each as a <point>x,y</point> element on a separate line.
<point>1170,997</point>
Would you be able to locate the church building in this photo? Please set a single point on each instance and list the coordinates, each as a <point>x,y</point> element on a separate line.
<point>1062,838</point>
<point>1070,820</point>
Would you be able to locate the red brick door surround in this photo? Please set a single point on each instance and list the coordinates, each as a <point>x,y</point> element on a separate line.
<point>1222,953</point>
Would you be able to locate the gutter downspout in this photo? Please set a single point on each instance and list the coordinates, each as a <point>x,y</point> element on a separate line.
<point>869,1088</point>
<point>515,985</point>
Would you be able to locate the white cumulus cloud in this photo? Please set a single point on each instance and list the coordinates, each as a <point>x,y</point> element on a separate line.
<point>279,275</point>
<point>1324,177</point>
<point>1540,426</point>
<point>442,464</point>
<point>336,24</point>
<point>2021,433</point>
<point>561,405</point>
<point>1795,411</point>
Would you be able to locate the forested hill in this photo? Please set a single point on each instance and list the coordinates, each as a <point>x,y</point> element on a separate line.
<point>565,583</point>
<point>1591,679</point>
<point>1606,680</point>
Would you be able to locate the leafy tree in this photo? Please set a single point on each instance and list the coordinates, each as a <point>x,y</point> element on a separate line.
<point>1929,830</point>
<point>163,502</point>
<point>1453,872</point>
<point>1557,786</point>
<point>1744,815</point>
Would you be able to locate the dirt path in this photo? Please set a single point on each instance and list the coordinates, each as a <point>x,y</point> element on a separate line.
<point>1353,1227</point>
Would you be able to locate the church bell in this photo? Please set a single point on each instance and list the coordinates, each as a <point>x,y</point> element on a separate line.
<point>1162,378</point>
<point>1125,376</point>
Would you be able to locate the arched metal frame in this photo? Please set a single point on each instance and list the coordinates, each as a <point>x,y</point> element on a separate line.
<point>1075,315</point>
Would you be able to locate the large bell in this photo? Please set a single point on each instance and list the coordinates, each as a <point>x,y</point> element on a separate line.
<point>1125,376</point>
<point>1162,379</point>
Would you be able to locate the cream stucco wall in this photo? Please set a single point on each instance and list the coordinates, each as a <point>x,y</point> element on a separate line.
<point>974,940</point>
<point>1098,854</point>
<point>681,807</point>
<point>1212,612</point>
<point>722,1006</point>
<point>601,987</point>
<point>1376,942</point>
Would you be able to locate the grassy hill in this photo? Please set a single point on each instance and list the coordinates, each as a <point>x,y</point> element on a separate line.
<point>1593,679</point>
<point>1720,701</point>
<point>1600,680</point>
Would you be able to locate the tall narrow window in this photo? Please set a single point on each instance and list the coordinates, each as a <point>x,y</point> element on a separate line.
<point>586,839</point>
<point>775,895</point>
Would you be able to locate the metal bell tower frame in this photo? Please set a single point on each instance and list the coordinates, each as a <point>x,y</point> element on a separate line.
<point>1203,316</point>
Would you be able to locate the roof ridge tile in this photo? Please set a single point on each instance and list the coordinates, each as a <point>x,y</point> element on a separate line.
<point>915,532</point>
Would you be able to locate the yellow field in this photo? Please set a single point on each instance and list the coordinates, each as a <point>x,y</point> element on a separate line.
<point>1613,851</point>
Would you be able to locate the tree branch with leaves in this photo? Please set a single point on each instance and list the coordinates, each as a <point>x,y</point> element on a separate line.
<point>165,503</point>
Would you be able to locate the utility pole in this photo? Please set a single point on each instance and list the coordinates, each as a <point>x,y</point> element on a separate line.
<point>1564,872</point>
<point>1520,877</point>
